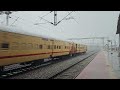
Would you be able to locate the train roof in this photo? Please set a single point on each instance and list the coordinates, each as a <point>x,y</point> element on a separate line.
<point>24,32</point>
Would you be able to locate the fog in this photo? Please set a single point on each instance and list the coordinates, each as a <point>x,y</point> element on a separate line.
<point>84,25</point>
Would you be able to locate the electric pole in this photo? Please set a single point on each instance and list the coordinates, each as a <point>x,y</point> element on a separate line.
<point>93,38</point>
<point>55,18</point>
<point>7,16</point>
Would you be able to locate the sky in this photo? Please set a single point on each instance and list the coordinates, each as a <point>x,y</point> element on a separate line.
<point>84,25</point>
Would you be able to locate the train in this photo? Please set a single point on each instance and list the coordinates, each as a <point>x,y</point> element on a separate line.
<point>17,47</point>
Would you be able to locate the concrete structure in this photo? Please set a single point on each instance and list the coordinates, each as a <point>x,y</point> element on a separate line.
<point>101,67</point>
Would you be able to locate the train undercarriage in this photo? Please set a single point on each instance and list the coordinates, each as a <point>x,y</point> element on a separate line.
<point>41,61</point>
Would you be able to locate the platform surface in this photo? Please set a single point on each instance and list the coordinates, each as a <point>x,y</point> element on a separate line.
<point>98,68</point>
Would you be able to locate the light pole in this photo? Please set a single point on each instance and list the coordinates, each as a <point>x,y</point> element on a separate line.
<point>55,18</point>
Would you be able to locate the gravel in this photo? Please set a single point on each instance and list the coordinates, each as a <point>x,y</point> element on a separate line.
<point>75,70</point>
<point>48,71</point>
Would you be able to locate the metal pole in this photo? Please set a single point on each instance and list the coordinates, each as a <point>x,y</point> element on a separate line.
<point>7,16</point>
<point>55,18</point>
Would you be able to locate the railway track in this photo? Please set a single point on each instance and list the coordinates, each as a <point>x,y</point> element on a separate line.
<point>21,70</point>
<point>24,69</point>
<point>63,71</point>
<point>15,72</point>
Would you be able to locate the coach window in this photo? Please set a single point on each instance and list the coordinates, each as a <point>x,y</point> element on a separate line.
<point>65,47</point>
<point>40,46</point>
<point>54,46</point>
<point>5,46</point>
<point>57,47</point>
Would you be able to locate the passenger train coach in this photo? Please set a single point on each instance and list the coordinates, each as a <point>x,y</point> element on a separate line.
<point>18,47</point>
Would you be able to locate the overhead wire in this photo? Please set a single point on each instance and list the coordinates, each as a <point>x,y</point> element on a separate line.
<point>74,19</point>
<point>64,17</point>
<point>28,21</point>
<point>25,23</point>
<point>46,14</point>
<point>77,13</point>
<point>45,19</point>
<point>52,22</point>
<point>14,21</point>
<point>42,17</point>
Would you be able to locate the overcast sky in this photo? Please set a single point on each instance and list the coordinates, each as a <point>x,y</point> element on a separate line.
<point>86,23</point>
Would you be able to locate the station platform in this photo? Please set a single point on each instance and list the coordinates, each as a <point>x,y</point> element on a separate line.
<point>101,67</point>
